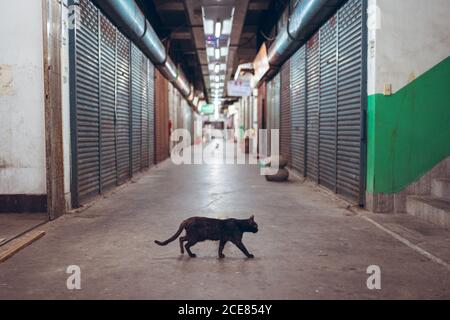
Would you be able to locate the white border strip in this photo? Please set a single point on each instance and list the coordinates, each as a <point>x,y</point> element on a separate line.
<point>409,244</point>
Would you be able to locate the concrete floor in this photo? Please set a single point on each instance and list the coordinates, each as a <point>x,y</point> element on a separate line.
<point>13,224</point>
<point>309,245</point>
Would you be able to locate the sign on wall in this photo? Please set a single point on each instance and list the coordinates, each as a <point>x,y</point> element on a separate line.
<point>261,63</point>
<point>207,109</point>
<point>240,88</point>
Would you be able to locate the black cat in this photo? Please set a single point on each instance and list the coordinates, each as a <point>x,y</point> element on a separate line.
<point>202,229</point>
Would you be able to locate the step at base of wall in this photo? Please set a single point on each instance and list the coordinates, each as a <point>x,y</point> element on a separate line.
<point>440,188</point>
<point>431,209</point>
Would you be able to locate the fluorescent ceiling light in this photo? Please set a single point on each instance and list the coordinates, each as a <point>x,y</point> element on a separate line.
<point>217,78</point>
<point>218,29</point>
<point>227,27</point>
<point>217,53</point>
<point>210,51</point>
<point>217,68</point>
<point>224,51</point>
<point>209,26</point>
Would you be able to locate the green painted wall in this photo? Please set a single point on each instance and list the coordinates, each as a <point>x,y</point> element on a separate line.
<point>409,132</point>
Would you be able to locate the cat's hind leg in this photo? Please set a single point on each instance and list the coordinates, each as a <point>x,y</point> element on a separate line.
<point>188,247</point>
<point>221,247</point>
<point>182,241</point>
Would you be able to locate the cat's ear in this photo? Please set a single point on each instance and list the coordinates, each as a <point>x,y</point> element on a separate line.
<point>252,218</point>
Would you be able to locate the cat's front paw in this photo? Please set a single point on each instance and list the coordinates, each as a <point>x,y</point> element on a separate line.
<point>250,256</point>
<point>221,256</point>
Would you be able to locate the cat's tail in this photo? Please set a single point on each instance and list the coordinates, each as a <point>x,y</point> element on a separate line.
<point>175,237</point>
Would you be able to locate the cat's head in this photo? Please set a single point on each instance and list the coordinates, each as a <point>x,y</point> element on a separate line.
<point>252,225</point>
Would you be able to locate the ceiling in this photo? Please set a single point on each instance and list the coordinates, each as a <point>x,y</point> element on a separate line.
<point>181,26</point>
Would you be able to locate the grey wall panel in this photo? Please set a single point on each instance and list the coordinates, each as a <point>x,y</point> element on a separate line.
<point>298,109</point>
<point>87,102</point>
<point>108,164</point>
<point>328,105</point>
<point>312,107</point>
<point>123,109</point>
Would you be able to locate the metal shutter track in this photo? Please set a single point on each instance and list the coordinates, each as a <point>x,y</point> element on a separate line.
<point>87,109</point>
<point>298,103</point>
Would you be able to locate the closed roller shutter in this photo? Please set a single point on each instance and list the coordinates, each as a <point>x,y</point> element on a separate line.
<point>107,104</point>
<point>285,117</point>
<point>312,107</point>
<point>112,105</point>
<point>351,105</point>
<point>123,109</point>
<point>328,105</point>
<point>137,88</point>
<point>87,103</point>
<point>162,118</point>
<point>145,132</point>
<point>298,110</point>
<point>151,112</point>
<point>335,104</point>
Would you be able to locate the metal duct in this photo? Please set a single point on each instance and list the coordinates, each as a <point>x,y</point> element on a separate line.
<point>128,17</point>
<point>306,18</point>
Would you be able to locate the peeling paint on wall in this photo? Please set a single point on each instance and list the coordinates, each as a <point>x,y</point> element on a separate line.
<point>6,80</point>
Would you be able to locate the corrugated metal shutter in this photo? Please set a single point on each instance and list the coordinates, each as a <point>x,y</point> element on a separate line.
<point>145,133</point>
<point>285,117</point>
<point>328,105</point>
<point>123,109</point>
<point>151,112</point>
<point>108,165</point>
<point>137,88</point>
<point>87,103</point>
<point>113,104</point>
<point>312,107</point>
<point>298,110</point>
<point>350,181</point>
<point>162,118</point>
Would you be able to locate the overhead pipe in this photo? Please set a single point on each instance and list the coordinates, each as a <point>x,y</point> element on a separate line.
<point>305,19</point>
<point>128,17</point>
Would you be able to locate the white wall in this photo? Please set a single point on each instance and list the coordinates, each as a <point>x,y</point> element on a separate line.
<point>22,117</point>
<point>413,36</point>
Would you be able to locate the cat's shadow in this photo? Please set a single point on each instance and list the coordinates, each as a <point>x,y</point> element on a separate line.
<point>187,259</point>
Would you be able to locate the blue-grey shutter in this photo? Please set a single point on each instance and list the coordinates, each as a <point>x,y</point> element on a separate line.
<point>312,107</point>
<point>328,105</point>
<point>350,178</point>
<point>87,91</point>
<point>123,109</point>
<point>298,109</point>
<point>108,164</point>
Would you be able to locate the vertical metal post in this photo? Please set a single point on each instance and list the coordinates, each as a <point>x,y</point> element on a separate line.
<point>337,104</point>
<point>364,102</point>
<point>73,108</point>
<point>100,99</point>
